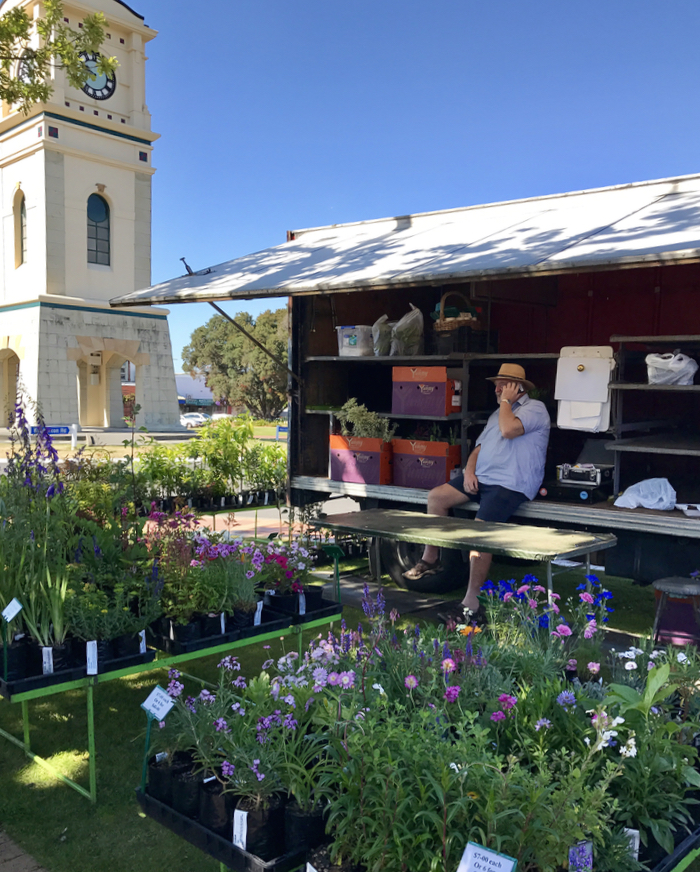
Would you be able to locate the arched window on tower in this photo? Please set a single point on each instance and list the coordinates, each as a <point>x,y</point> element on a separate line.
<point>98,230</point>
<point>19,208</point>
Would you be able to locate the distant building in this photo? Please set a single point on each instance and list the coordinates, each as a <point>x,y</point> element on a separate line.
<point>193,395</point>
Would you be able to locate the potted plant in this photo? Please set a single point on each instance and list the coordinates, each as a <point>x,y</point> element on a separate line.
<point>362,452</point>
<point>283,571</point>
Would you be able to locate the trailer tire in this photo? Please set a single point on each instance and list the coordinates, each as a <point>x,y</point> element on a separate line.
<point>399,557</point>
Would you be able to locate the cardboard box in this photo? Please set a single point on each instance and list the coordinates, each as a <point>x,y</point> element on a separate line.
<point>424,390</point>
<point>422,464</point>
<point>365,461</point>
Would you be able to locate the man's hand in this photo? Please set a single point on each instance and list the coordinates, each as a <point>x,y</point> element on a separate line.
<point>510,392</point>
<point>471,482</point>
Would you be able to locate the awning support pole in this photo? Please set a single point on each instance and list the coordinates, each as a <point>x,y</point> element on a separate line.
<point>255,341</point>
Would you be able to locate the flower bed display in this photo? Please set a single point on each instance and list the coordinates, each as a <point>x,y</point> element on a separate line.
<point>84,573</point>
<point>521,737</point>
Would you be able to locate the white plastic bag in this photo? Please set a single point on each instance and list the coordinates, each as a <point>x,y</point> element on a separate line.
<point>407,333</point>
<point>381,336</point>
<point>670,369</point>
<point>652,493</point>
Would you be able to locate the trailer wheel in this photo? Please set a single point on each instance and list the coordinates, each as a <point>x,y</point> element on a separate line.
<point>398,557</point>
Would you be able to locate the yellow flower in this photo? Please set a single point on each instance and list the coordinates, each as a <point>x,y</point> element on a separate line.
<point>466,631</point>
<point>472,795</point>
<point>104,611</point>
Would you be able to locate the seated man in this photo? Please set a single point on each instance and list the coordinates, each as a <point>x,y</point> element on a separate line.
<point>505,468</point>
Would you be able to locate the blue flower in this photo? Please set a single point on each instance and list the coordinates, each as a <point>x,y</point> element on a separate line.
<point>544,621</point>
<point>582,586</point>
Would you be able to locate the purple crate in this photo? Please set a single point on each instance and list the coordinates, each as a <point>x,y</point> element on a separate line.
<point>414,398</point>
<point>422,472</point>
<point>363,467</point>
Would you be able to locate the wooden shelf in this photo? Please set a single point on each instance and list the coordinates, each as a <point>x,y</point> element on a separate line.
<point>675,443</point>
<point>658,340</point>
<point>634,386</point>
<point>434,359</point>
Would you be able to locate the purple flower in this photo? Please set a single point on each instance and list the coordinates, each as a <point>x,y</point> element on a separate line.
<point>566,698</point>
<point>289,700</point>
<point>230,663</point>
<point>411,682</point>
<point>347,679</point>
<point>334,679</point>
<point>452,693</point>
<point>175,688</point>
<point>227,769</point>
<point>320,676</point>
<point>543,724</point>
<point>221,726</point>
<point>498,716</point>
<point>240,682</point>
<point>290,723</point>
<point>190,704</point>
<point>207,696</point>
<point>507,701</point>
<point>267,664</point>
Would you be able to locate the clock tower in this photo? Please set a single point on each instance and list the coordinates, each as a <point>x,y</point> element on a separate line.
<point>75,199</point>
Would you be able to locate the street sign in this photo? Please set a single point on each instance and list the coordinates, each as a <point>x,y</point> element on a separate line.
<point>52,431</point>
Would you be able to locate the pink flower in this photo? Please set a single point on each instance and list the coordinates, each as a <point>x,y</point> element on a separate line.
<point>590,630</point>
<point>572,664</point>
<point>562,630</point>
<point>554,596</point>
<point>411,682</point>
<point>586,597</point>
<point>593,668</point>
<point>523,588</point>
<point>532,603</point>
<point>555,608</point>
<point>507,597</point>
<point>452,693</point>
<point>448,665</point>
<point>539,588</point>
<point>498,716</point>
<point>507,701</point>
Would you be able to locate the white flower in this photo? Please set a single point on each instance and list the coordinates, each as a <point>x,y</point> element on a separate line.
<point>655,654</point>
<point>638,651</point>
<point>381,690</point>
<point>629,749</point>
<point>681,657</point>
<point>454,766</point>
<point>587,740</point>
<point>630,665</point>
<point>617,721</point>
<point>650,665</point>
<point>627,655</point>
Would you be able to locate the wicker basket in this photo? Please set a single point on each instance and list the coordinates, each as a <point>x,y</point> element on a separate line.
<point>465,319</point>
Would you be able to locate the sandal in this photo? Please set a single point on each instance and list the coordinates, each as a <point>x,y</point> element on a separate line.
<point>456,613</point>
<point>421,569</point>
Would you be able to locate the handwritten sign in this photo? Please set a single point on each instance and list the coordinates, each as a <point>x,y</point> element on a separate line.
<point>158,703</point>
<point>240,828</point>
<point>479,859</point>
<point>91,657</point>
<point>11,610</point>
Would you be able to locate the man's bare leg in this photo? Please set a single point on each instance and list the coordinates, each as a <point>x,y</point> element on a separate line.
<point>479,565</point>
<point>440,500</point>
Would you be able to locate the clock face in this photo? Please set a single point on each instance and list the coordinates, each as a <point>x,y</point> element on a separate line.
<point>102,86</point>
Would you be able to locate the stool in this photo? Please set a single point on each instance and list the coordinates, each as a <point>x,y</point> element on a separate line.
<point>675,588</point>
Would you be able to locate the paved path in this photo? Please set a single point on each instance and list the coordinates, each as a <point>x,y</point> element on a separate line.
<point>13,858</point>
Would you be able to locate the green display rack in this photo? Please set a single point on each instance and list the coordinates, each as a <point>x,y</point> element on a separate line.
<point>90,682</point>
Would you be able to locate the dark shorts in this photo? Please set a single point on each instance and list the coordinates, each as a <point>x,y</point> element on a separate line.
<point>496,503</point>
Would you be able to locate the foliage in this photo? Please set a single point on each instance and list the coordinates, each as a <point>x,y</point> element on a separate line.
<point>29,50</point>
<point>356,420</point>
<point>236,370</point>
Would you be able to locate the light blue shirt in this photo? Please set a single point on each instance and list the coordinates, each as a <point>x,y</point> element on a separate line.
<point>517,464</point>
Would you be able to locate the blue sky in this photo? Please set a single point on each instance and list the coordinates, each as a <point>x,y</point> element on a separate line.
<point>281,115</point>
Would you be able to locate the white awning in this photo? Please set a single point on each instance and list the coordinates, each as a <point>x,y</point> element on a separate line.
<point>629,225</point>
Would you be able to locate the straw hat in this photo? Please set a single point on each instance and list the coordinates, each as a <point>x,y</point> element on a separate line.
<point>513,372</point>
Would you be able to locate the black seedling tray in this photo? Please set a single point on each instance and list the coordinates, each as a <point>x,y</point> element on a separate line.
<point>327,610</point>
<point>270,620</point>
<point>216,846</point>
<point>173,646</point>
<point>670,862</point>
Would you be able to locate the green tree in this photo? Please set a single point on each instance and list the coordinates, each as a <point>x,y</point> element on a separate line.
<point>30,48</point>
<point>235,369</point>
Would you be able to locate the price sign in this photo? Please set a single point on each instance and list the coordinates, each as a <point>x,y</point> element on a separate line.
<point>142,642</point>
<point>302,603</point>
<point>158,703</point>
<point>581,857</point>
<point>476,858</point>
<point>258,613</point>
<point>310,868</point>
<point>240,828</point>
<point>633,836</point>
<point>11,610</point>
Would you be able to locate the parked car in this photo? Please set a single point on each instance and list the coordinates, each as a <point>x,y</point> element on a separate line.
<point>194,419</point>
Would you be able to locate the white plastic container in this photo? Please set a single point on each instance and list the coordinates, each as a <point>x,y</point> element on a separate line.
<point>355,341</point>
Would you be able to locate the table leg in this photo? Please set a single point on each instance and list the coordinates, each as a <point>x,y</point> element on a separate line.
<point>657,617</point>
<point>377,559</point>
<point>25,725</point>
<point>550,588</point>
<point>588,564</point>
<point>92,763</point>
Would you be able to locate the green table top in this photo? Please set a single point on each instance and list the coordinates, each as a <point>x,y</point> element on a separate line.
<point>507,540</point>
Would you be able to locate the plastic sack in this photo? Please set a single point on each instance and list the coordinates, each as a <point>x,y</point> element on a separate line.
<point>652,493</point>
<point>407,333</point>
<point>670,369</point>
<point>381,336</point>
